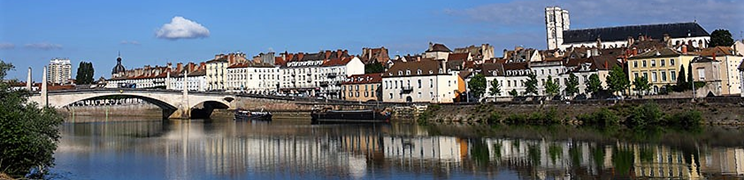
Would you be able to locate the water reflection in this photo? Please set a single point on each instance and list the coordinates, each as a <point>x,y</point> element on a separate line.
<point>289,149</point>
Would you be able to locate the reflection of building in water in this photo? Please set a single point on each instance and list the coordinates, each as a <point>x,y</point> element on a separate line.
<point>436,148</point>
<point>660,162</point>
<point>726,161</point>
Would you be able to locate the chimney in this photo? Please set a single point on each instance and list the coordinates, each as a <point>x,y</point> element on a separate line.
<point>684,49</point>
<point>635,51</point>
<point>714,56</point>
<point>431,46</point>
<point>328,54</point>
<point>179,67</point>
<point>191,66</point>
<point>202,65</point>
<point>588,53</point>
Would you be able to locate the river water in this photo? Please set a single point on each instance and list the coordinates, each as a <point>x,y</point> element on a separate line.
<point>292,149</point>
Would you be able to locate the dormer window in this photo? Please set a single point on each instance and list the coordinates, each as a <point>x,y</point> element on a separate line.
<point>418,72</point>
<point>408,72</point>
<point>431,72</point>
<point>400,73</point>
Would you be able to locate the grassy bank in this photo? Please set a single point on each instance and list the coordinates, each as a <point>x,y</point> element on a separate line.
<point>649,114</point>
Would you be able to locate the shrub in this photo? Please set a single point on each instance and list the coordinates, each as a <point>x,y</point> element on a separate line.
<point>603,116</point>
<point>685,119</point>
<point>646,114</point>
<point>494,118</point>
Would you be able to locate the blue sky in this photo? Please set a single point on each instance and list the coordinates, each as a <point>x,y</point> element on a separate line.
<point>32,32</point>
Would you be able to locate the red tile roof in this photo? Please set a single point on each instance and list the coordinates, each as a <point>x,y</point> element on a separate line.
<point>364,79</point>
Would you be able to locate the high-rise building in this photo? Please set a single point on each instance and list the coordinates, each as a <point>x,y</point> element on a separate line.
<point>556,21</point>
<point>59,71</point>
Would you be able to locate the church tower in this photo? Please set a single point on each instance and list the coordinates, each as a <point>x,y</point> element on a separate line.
<point>556,21</point>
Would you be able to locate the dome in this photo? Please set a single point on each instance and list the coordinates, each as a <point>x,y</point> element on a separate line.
<point>118,68</point>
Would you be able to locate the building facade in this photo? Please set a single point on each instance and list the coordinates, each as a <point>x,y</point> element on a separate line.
<point>216,74</point>
<point>59,71</point>
<point>318,74</point>
<point>363,87</point>
<point>709,71</point>
<point>252,78</point>
<point>421,81</point>
<point>661,67</point>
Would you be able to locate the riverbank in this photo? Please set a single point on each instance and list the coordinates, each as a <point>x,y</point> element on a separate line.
<point>724,113</point>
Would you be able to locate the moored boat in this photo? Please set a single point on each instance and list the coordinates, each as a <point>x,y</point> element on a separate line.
<point>350,116</point>
<point>241,114</point>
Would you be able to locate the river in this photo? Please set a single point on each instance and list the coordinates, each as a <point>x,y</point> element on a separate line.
<point>291,149</point>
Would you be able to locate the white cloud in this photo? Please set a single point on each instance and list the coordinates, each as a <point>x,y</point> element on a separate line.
<point>125,42</point>
<point>43,46</point>
<point>182,28</point>
<point>7,45</point>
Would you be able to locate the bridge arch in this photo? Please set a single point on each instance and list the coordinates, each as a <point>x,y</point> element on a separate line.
<point>161,103</point>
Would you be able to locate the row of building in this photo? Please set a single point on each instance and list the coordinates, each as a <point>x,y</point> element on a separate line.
<point>659,52</point>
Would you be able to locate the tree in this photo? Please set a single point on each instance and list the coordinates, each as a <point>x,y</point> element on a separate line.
<point>572,85</point>
<point>477,85</point>
<point>495,89</point>
<point>721,37</point>
<point>514,93</point>
<point>594,85</point>
<point>375,67</point>
<point>28,134</point>
<point>681,79</point>
<point>84,73</point>
<point>551,88</point>
<point>531,84</point>
<point>617,81</point>
<point>641,85</point>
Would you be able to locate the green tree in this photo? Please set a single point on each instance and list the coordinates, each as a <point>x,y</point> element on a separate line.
<point>477,85</point>
<point>681,79</point>
<point>572,85</point>
<point>721,37</point>
<point>531,84</point>
<point>495,89</point>
<point>641,85</point>
<point>690,81</point>
<point>375,67</point>
<point>617,81</point>
<point>594,85</point>
<point>84,73</point>
<point>551,88</point>
<point>29,134</point>
<point>514,93</point>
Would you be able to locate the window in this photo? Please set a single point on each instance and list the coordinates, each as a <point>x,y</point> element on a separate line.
<point>644,63</point>
<point>663,76</point>
<point>635,75</point>
<point>701,73</point>
<point>419,94</point>
<point>674,75</point>
<point>419,83</point>
<point>645,75</point>
<point>671,62</point>
<point>351,94</point>
<point>508,83</point>
<point>396,84</point>
<point>431,83</point>
<point>431,95</point>
<point>653,76</point>
<point>663,63</point>
<point>449,83</point>
<point>391,95</point>
<point>653,63</point>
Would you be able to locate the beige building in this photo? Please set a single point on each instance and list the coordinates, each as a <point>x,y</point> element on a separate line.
<point>709,71</point>
<point>730,60</point>
<point>363,87</point>
<point>661,67</point>
<point>216,73</point>
<point>59,71</point>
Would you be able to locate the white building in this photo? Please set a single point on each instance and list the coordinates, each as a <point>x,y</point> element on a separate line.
<point>59,71</point>
<point>253,78</point>
<point>318,74</point>
<point>421,81</point>
<point>195,81</point>
<point>674,34</point>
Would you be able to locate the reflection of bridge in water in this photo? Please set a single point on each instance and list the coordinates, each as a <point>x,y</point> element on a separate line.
<point>322,151</point>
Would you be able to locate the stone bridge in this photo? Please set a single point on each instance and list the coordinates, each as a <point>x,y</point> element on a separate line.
<point>175,104</point>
